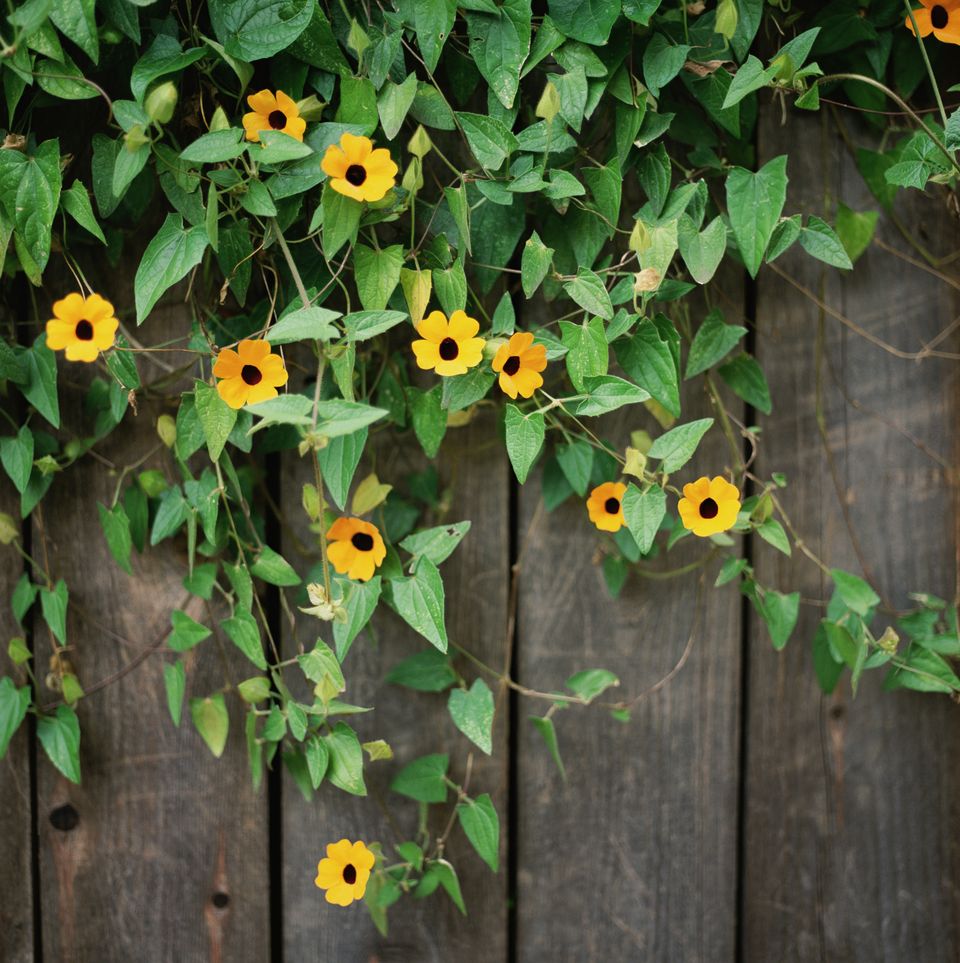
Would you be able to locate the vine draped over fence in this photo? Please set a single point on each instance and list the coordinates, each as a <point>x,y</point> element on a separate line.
<point>355,202</point>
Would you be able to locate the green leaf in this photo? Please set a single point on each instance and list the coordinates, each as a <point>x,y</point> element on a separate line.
<point>479,820</point>
<point>341,218</point>
<point>16,454</point>
<point>429,417</point>
<point>40,388</point>
<point>346,760</point>
<point>489,139</point>
<point>175,684</point>
<point>676,447</point>
<point>360,604</point>
<point>607,393</point>
<point>244,633</point>
<point>256,29</point>
<point>713,341</point>
<point>433,20</point>
<point>122,364</point>
<point>304,324</point>
<point>534,264</point>
<point>590,683</point>
<point>588,354</point>
<point>546,729</point>
<point>171,514</point>
<point>648,361</point>
<point>524,435</point>
<point>321,665</point>
<point>274,568</point>
<point>459,206</point>
<point>318,760</point>
<point>747,380</point>
<point>215,147</point>
<point>750,76</point>
<point>277,147</point>
<point>186,632</point>
<point>424,779</point>
<point>428,671</point>
<point>588,20</point>
<point>472,713</point>
<point>212,722</point>
<point>363,325</point>
<point>855,592</point>
<point>841,642</point>
<point>576,463</point>
<point>164,56</point>
<point>702,252</point>
<point>643,513</point>
<point>826,666</point>
<point>856,229</point>
<point>499,44</point>
<point>662,61</point>
<point>76,202</point>
<point>819,240</point>
<point>419,601</point>
<point>588,290</point>
<point>338,463</point>
<point>771,531</point>
<point>438,543</point>
<point>754,203</point>
<point>217,418</point>
<point>170,256</point>
<point>53,604</point>
<point>60,737</point>
<point>116,530</point>
<point>393,103</point>
<point>780,613</point>
<point>377,274</point>
<point>14,703</point>
<point>461,391</point>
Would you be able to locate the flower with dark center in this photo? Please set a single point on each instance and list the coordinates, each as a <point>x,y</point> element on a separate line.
<point>448,347</point>
<point>358,171</point>
<point>519,363</point>
<point>605,506</point>
<point>709,506</point>
<point>343,873</point>
<point>82,327</point>
<point>355,548</point>
<point>940,19</point>
<point>272,111</point>
<point>250,374</point>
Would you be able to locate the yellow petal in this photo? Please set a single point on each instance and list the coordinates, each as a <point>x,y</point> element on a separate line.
<point>82,351</point>
<point>433,327</point>
<point>69,308</point>
<point>233,391</point>
<point>334,163</point>
<point>59,333</point>
<point>462,326</point>
<point>344,187</point>
<point>253,352</point>
<point>287,105</point>
<point>329,873</point>
<point>507,385</point>
<point>295,127</point>
<point>261,392</point>
<point>375,188</point>
<point>95,308</point>
<point>341,895</point>
<point>228,364</point>
<point>273,370</point>
<point>356,148</point>
<point>253,124</point>
<point>426,354</point>
<point>104,332</point>
<point>341,556</point>
<point>527,382</point>
<point>263,102</point>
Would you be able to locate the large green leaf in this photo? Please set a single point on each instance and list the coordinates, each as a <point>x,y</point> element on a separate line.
<point>257,29</point>
<point>754,204</point>
<point>169,257</point>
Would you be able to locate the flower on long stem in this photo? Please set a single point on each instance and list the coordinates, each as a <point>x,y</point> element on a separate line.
<point>605,507</point>
<point>344,872</point>
<point>357,170</point>
<point>448,347</point>
<point>82,327</point>
<point>709,506</point>
<point>940,19</point>
<point>250,374</point>
<point>273,111</point>
<point>356,548</point>
<point>519,363</point>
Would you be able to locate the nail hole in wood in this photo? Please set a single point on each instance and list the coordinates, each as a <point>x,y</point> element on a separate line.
<point>220,900</point>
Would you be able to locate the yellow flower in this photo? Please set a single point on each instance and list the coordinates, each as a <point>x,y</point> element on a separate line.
<point>448,347</point>
<point>356,548</point>
<point>357,170</point>
<point>605,508</point>
<point>940,19</point>
<point>708,507</point>
<point>273,112</point>
<point>345,871</point>
<point>250,374</point>
<point>82,326</point>
<point>519,363</point>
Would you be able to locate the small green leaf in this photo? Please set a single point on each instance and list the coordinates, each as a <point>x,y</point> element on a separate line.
<point>677,446</point>
<point>643,513</point>
<point>525,435</point>
<point>588,290</point>
<point>546,729</point>
<point>217,418</point>
<point>472,713</point>
<point>212,722</point>
<point>424,779</point>
<point>590,683</point>
<point>244,633</point>
<point>14,703</point>
<point>60,737</point>
<point>855,592</point>
<point>479,820</point>
<point>175,684</point>
<point>419,601</point>
<point>428,671</point>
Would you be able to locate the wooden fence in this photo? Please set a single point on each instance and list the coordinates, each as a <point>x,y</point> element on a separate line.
<point>740,815</point>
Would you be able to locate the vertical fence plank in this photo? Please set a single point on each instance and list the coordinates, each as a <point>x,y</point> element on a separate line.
<point>472,464</point>
<point>634,857</point>
<point>16,879</point>
<point>851,804</point>
<point>161,852</point>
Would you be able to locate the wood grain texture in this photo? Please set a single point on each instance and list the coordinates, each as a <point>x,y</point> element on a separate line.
<point>850,848</point>
<point>162,825</point>
<point>473,467</point>
<point>634,857</point>
<point>16,878</point>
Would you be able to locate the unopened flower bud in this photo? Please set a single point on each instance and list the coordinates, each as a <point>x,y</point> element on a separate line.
<point>646,280</point>
<point>161,102</point>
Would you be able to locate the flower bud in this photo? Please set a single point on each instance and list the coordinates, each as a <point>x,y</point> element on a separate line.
<point>420,144</point>
<point>646,280</point>
<point>161,102</point>
<point>219,120</point>
<point>135,138</point>
<point>311,108</point>
<point>549,104</point>
<point>9,530</point>
<point>167,430</point>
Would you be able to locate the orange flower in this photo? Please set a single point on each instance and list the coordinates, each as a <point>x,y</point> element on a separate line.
<point>709,507</point>
<point>940,19</point>
<point>345,871</point>
<point>519,363</point>
<point>273,112</point>
<point>605,508</point>
<point>357,170</point>
<point>83,327</point>
<point>356,548</point>
<point>250,374</point>
<point>448,347</point>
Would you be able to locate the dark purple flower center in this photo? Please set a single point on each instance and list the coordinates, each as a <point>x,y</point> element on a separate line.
<point>277,119</point>
<point>611,506</point>
<point>350,871</point>
<point>356,174</point>
<point>709,508</point>
<point>84,330</point>
<point>448,349</point>
<point>251,374</point>
<point>512,365</point>
<point>939,17</point>
<point>362,542</point>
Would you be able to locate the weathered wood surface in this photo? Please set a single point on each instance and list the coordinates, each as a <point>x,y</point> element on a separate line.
<point>473,466</point>
<point>16,876</point>
<point>851,804</point>
<point>163,851</point>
